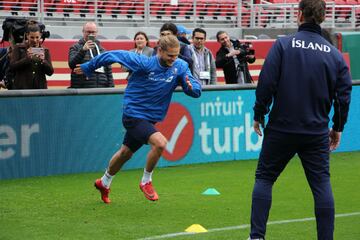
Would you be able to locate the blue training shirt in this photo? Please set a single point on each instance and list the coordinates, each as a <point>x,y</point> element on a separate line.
<point>150,87</point>
<point>303,76</point>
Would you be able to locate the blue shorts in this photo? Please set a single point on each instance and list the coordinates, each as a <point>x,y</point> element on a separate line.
<point>138,132</point>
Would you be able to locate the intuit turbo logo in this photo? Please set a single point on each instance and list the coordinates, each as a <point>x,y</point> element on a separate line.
<point>226,128</point>
<point>178,128</point>
<point>16,141</point>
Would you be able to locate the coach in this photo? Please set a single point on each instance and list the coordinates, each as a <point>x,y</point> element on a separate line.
<point>303,75</point>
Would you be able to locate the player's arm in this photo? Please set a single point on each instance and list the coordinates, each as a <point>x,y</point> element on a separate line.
<point>190,85</point>
<point>128,59</point>
<point>342,98</point>
<point>267,83</point>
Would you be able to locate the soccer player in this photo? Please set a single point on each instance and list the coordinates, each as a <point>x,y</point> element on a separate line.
<point>146,101</point>
<point>303,76</point>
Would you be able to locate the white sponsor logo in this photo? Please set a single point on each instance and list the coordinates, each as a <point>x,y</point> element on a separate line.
<point>227,139</point>
<point>9,139</point>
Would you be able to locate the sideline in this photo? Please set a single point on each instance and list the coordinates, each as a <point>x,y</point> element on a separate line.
<point>173,235</point>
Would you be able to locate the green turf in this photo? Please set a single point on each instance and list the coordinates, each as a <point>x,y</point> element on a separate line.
<point>68,207</point>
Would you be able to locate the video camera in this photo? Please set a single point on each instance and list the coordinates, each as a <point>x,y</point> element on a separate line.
<point>16,27</point>
<point>248,48</point>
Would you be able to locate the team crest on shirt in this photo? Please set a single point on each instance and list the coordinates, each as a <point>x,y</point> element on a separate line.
<point>169,79</point>
<point>174,70</point>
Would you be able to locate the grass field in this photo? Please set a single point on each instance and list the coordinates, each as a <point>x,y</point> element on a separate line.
<point>69,207</point>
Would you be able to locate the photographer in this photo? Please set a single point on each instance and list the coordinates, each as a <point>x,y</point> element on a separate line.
<point>6,76</point>
<point>4,62</point>
<point>233,57</point>
<point>29,61</point>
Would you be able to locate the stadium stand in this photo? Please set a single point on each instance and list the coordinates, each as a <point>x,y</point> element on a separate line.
<point>202,13</point>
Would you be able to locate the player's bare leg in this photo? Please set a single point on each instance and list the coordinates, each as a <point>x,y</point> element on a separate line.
<point>115,164</point>
<point>158,144</point>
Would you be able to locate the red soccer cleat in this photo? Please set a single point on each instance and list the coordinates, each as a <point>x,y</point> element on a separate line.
<point>149,191</point>
<point>103,190</point>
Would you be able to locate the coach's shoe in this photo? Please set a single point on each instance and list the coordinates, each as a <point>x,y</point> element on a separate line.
<point>149,191</point>
<point>255,238</point>
<point>103,190</point>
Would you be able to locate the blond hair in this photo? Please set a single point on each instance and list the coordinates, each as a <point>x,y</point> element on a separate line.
<point>169,41</point>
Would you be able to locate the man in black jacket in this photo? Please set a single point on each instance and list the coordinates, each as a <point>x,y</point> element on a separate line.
<point>233,57</point>
<point>169,28</point>
<point>83,51</point>
<point>302,77</point>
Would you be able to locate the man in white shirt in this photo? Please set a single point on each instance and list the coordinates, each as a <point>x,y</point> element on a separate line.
<point>204,67</point>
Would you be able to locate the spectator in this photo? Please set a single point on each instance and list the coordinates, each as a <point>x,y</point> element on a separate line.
<point>142,44</point>
<point>141,47</point>
<point>85,49</point>
<point>185,53</point>
<point>30,62</point>
<point>327,35</point>
<point>146,101</point>
<point>182,34</point>
<point>302,77</point>
<point>233,57</point>
<point>4,65</point>
<point>2,84</point>
<point>204,68</point>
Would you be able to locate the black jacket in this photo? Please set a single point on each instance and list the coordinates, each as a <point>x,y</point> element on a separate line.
<point>28,72</point>
<point>228,64</point>
<point>97,80</point>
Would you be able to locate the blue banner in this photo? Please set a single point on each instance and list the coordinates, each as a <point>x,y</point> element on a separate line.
<point>48,135</point>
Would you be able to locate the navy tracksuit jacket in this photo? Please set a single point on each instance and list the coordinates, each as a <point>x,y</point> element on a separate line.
<point>303,75</point>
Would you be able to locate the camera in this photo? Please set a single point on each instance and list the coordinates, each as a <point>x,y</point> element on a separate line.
<point>37,51</point>
<point>246,49</point>
<point>16,28</point>
<point>92,38</point>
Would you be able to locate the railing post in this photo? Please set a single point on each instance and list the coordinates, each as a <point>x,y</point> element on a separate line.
<point>40,9</point>
<point>96,12</point>
<point>252,16</point>
<point>239,9</point>
<point>147,13</point>
<point>333,15</point>
<point>194,13</point>
<point>353,16</point>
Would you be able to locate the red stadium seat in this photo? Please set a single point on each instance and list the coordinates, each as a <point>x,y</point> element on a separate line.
<point>29,5</point>
<point>201,9</point>
<point>6,6</point>
<point>156,8</point>
<point>340,2</point>
<point>262,16</point>
<point>171,10</point>
<point>122,8</point>
<point>212,9</point>
<point>245,17</point>
<point>15,5</point>
<point>351,2</point>
<point>103,7</point>
<point>185,9</point>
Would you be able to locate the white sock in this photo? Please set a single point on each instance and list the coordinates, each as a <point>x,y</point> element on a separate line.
<point>146,177</point>
<point>106,179</point>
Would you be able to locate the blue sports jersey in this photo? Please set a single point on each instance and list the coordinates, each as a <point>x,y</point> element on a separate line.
<point>150,87</point>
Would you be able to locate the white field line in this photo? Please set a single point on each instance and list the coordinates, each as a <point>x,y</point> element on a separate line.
<point>173,235</point>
